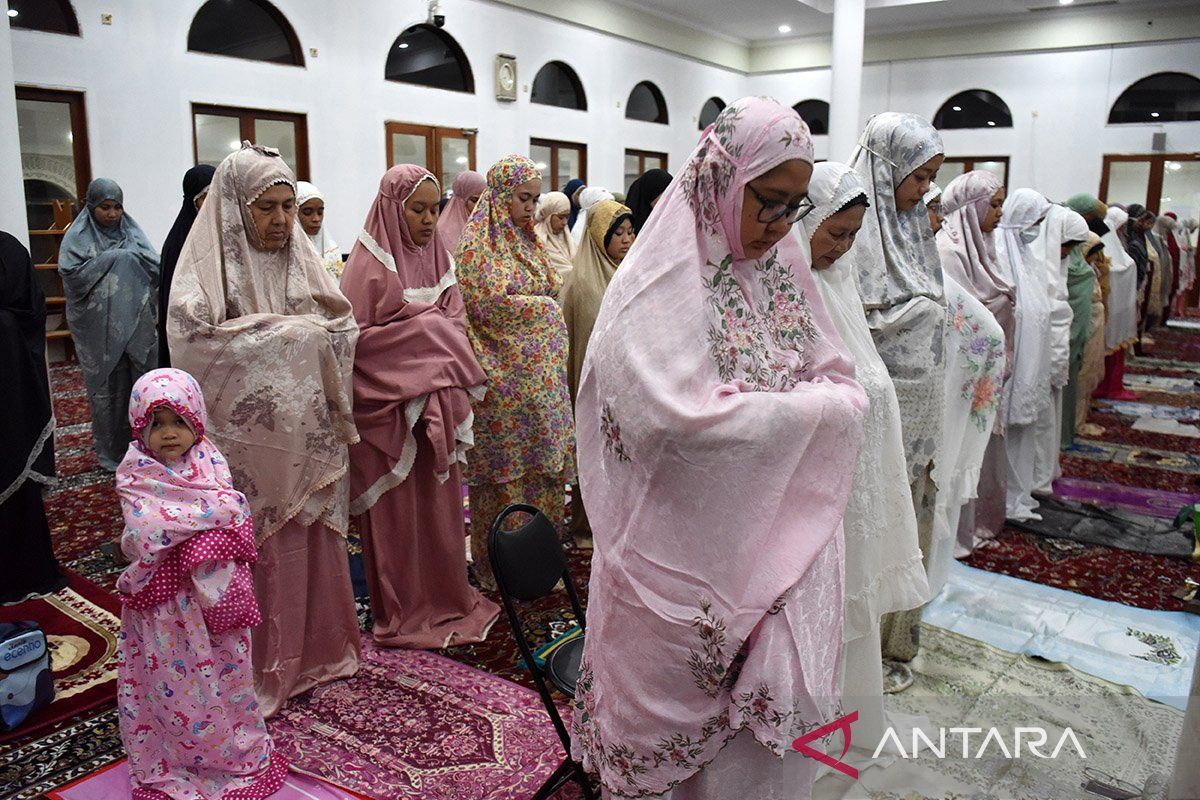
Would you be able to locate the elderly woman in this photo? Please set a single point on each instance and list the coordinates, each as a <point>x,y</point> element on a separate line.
<point>258,320</point>
<point>524,439</point>
<point>550,223</point>
<point>110,276</point>
<point>719,425</point>
<point>884,572</point>
<point>900,281</point>
<point>415,376</point>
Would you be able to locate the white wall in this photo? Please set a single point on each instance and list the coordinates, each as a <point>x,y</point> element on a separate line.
<point>12,203</point>
<point>140,80</point>
<point>1059,102</point>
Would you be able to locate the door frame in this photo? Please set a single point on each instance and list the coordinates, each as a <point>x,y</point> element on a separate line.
<point>433,135</point>
<point>245,117</point>
<point>554,145</point>
<point>1158,165</point>
<point>80,151</point>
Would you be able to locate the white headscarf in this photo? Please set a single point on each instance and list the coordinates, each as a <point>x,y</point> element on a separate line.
<point>1051,235</point>
<point>327,248</point>
<point>899,277</point>
<point>1120,320</point>
<point>560,247</point>
<point>1027,393</point>
<point>588,198</point>
<point>880,488</point>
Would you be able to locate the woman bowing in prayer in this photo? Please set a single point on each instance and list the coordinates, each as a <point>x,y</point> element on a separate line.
<point>1028,393</point>
<point>524,437</point>
<point>1081,285</point>
<point>644,194</point>
<point>1092,371</point>
<point>1121,309</point>
<point>261,324</point>
<point>572,190</point>
<point>468,185</point>
<point>550,222</point>
<point>110,277</point>
<point>899,277</point>
<point>588,197</point>
<point>311,203</point>
<point>27,564</point>
<point>972,205</point>
<point>719,425</point>
<point>195,186</point>
<point>884,572</point>
<point>414,378</point>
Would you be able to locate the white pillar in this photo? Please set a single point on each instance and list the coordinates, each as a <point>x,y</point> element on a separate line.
<point>845,99</point>
<point>12,197</point>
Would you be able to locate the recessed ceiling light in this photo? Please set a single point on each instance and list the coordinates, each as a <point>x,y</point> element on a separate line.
<point>460,160</point>
<point>991,124</point>
<point>540,165</point>
<point>1065,2</point>
<point>403,45</point>
<point>1166,200</point>
<point>956,108</point>
<point>1154,114</point>
<point>785,28</point>
<point>235,144</point>
<point>12,12</point>
<point>1174,166</point>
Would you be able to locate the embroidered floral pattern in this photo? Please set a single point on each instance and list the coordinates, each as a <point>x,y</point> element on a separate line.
<point>983,361</point>
<point>1163,647</point>
<point>742,338</point>
<point>708,663</point>
<point>612,434</point>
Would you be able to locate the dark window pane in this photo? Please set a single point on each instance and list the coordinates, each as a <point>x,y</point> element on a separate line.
<point>52,16</point>
<point>976,108</point>
<point>708,114</point>
<point>251,29</point>
<point>1165,97</point>
<point>426,56</point>
<point>816,114</point>
<point>557,84</point>
<point>646,103</point>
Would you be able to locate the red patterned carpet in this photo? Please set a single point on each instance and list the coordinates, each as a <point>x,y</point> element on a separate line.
<point>1136,579</point>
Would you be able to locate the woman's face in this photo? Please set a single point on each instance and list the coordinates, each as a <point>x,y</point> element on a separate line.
<point>312,215</point>
<point>421,213</point>
<point>834,237</point>
<point>524,201</point>
<point>620,241</point>
<point>274,215</point>
<point>108,214</point>
<point>934,207</point>
<point>784,186</point>
<point>913,188</point>
<point>558,222</point>
<point>995,210</point>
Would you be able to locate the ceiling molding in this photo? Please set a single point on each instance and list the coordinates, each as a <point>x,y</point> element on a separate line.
<point>1061,32</point>
<point>630,23</point>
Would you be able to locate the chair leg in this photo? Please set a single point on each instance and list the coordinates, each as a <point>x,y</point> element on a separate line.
<point>561,776</point>
<point>584,783</point>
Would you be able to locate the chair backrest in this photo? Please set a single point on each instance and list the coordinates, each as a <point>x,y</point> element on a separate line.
<point>63,216</point>
<point>529,561</point>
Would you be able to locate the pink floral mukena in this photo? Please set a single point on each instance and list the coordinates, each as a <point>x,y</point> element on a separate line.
<point>189,718</point>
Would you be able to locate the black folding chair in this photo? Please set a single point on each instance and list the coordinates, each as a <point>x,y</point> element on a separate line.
<point>527,563</point>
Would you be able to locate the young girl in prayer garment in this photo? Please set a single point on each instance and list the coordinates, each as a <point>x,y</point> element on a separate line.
<point>189,718</point>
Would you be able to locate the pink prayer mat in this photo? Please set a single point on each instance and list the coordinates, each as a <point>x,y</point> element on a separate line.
<point>413,724</point>
<point>112,783</point>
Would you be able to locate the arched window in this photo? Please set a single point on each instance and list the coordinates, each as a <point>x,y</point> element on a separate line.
<point>708,113</point>
<point>428,56</point>
<point>1164,97</point>
<point>556,84</point>
<point>252,29</point>
<point>974,108</point>
<point>51,16</point>
<point>646,103</point>
<point>816,114</point>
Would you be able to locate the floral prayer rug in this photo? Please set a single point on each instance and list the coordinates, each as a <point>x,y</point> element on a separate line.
<point>413,724</point>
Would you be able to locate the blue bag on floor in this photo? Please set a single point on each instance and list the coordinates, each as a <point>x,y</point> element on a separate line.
<point>25,681</point>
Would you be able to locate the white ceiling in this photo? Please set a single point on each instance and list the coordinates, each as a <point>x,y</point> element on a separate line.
<point>758,21</point>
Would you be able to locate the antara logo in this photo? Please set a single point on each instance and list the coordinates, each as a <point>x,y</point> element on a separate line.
<point>1031,738</point>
